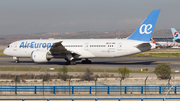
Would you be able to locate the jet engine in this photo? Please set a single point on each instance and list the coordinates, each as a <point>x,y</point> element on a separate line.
<point>40,56</point>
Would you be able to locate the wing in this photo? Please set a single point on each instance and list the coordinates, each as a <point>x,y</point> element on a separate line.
<point>59,51</point>
<point>57,48</point>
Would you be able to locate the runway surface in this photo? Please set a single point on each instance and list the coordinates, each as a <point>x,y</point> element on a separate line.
<point>133,63</point>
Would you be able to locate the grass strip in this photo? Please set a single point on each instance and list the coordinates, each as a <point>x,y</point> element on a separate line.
<point>36,69</point>
<point>1,52</point>
<point>157,55</point>
<point>58,69</point>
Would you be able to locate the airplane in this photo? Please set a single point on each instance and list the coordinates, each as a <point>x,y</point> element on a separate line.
<point>72,50</point>
<point>166,44</point>
<point>176,35</point>
<point>174,44</point>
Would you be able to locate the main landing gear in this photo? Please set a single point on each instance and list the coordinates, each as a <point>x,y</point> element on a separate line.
<point>72,62</point>
<point>86,61</point>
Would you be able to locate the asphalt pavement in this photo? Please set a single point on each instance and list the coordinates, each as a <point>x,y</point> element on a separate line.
<point>133,63</point>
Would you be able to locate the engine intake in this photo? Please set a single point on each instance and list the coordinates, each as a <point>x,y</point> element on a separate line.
<point>40,56</point>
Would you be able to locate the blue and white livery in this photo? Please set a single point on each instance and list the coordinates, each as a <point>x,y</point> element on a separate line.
<point>176,35</point>
<point>145,30</point>
<point>32,44</point>
<point>43,50</point>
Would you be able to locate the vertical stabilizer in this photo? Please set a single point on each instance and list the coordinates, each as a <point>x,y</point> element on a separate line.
<point>176,36</point>
<point>145,30</point>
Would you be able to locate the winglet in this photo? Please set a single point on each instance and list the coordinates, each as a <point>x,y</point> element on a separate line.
<point>145,30</point>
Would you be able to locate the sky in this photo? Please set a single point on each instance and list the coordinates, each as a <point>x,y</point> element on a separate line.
<point>36,16</point>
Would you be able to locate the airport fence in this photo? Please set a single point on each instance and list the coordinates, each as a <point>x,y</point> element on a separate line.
<point>6,89</point>
<point>96,99</point>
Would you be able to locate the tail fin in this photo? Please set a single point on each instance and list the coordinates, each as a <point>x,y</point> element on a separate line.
<point>145,30</point>
<point>157,44</point>
<point>153,41</point>
<point>176,35</point>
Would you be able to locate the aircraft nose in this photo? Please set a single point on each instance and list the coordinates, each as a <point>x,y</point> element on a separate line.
<point>5,52</point>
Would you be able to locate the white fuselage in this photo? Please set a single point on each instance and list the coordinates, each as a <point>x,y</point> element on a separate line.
<point>86,48</point>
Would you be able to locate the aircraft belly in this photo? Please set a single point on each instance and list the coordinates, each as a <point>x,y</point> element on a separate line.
<point>102,53</point>
<point>86,54</point>
<point>127,51</point>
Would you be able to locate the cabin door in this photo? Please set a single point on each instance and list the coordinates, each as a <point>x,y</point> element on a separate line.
<point>119,47</point>
<point>86,45</point>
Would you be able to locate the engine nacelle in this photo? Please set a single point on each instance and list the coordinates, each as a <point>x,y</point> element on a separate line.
<point>40,56</point>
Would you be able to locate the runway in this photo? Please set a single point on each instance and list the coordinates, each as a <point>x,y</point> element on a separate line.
<point>133,63</point>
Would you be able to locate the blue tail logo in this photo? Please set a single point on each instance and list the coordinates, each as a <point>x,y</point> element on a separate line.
<point>145,30</point>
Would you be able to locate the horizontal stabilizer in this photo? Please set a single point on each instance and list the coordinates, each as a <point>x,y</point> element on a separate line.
<point>143,45</point>
<point>177,40</point>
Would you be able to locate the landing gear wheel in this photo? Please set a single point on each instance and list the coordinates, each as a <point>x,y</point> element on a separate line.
<point>86,61</point>
<point>17,61</point>
<point>83,62</point>
<point>71,62</point>
<point>68,62</point>
<point>74,63</point>
<point>89,62</point>
<point>49,60</point>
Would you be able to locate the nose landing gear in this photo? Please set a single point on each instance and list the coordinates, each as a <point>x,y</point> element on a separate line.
<point>16,59</point>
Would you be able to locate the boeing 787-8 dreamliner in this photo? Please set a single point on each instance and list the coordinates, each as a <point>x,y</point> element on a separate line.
<point>43,50</point>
